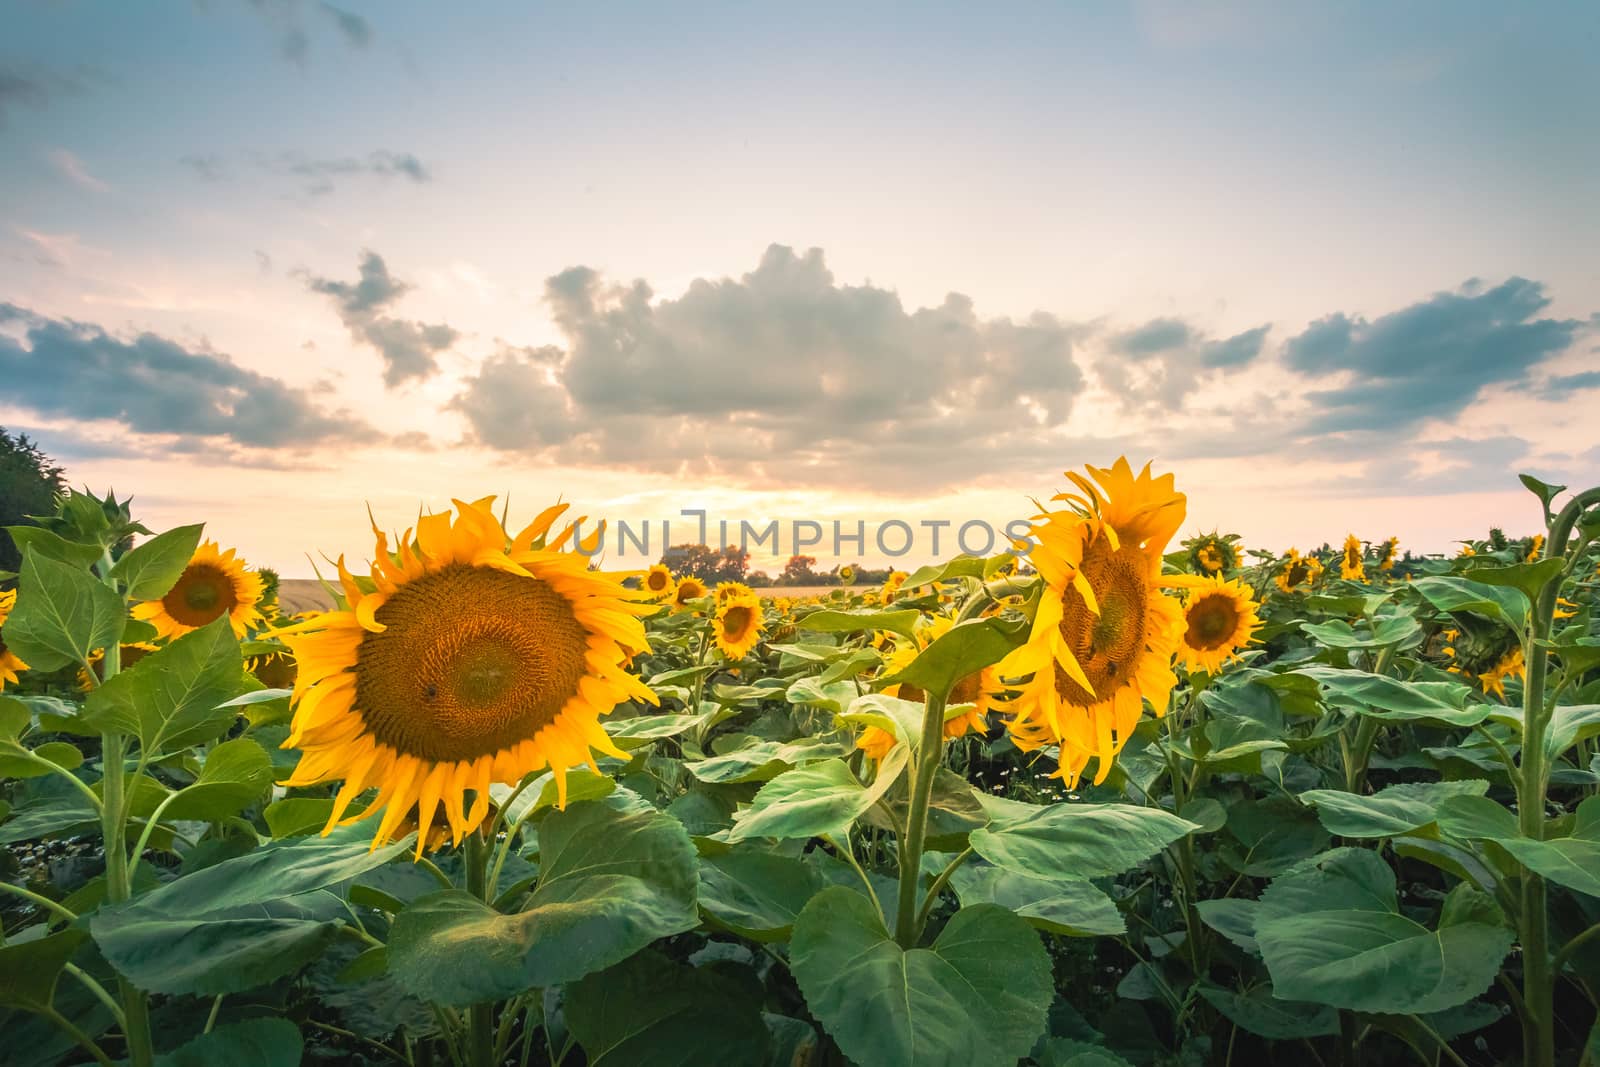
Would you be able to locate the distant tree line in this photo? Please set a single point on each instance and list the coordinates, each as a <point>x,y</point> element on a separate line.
<point>29,484</point>
<point>732,564</point>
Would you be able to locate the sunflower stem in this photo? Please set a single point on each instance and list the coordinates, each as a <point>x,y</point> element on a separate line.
<point>907,928</point>
<point>1538,977</point>
<point>480,1019</point>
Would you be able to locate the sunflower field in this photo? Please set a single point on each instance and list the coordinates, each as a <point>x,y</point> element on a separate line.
<point>1110,798</point>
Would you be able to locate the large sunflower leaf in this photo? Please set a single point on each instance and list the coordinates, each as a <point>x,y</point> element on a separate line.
<point>235,774</point>
<point>29,969</point>
<point>901,621</point>
<point>1381,633</point>
<point>1399,809</point>
<point>1501,603</point>
<point>764,760</point>
<point>610,882</point>
<point>1331,932</point>
<point>1261,1013</point>
<point>1383,697</point>
<point>1079,841</point>
<point>964,649</point>
<point>755,894</point>
<point>172,698</point>
<point>1075,908</point>
<point>247,1043</point>
<point>1572,861</point>
<point>652,1012</point>
<point>979,995</point>
<point>816,799</point>
<point>152,569</point>
<point>62,615</point>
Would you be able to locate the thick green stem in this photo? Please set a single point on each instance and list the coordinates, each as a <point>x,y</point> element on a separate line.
<point>480,1019</point>
<point>1360,753</point>
<point>1538,977</point>
<point>907,929</point>
<point>113,829</point>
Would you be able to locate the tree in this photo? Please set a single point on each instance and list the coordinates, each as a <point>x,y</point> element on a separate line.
<point>799,571</point>
<point>29,484</point>
<point>708,564</point>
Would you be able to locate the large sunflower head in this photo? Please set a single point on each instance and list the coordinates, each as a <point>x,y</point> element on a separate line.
<point>1386,553</point>
<point>689,588</point>
<point>10,663</point>
<point>727,591</point>
<point>658,582</point>
<point>1351,567</point>
<point>466,658</point>
<point>1298,573</point>
<point>1104,634</point>
<point>1219,618</point>
<point>737,625</point>
<point>214,584</point>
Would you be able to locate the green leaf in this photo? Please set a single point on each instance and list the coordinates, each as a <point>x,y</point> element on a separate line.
<point>764,760</point>
<point>652,1012</point>
<point>29,969</point>
<point>1263,1014</point>
<point>1076,909</point>
<point>1383,697</point>
<point>61,753</point>
<point>1331,932</point>
<point>610,882</point>
<point>1572,861</point>
<point>1543,490</point>
<point>295,816</point>
<point>1385,632</point>
<point>1065,1052</point>
<point>964,649</point>
<point>152,569</point>
<point>959,567</point>
<point>171,699</point>
<point>248,1043</point>
<point>1569,724</point>
<point>1478,818</point>
<point>832,696</point>
<point>543,792</point>
<point>1399,809</point>
<point>62,615</point>
<point>902,621</point>
<point>15,717</point>
<point>814,800</point>
<point>901,719</point>
<point>235,774</point>
<point>46,544</point>
<point>241,923</point>
<point>755,894</point>
<point>977,996</point>
<point>1233,918</point>
<point>1458,594</point>
<point>1075,842</point>
<point>1528,578</point>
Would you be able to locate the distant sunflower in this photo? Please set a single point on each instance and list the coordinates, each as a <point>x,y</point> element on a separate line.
<point>658,582</point>
<point>689,588</point>
<point>892,584</point>
<point>1219,619</point>
<point>10,663</point>
<point>1104,634</point>
<point>214,584</point>
<point>1490,655</point>
<point>1351,567</point>
<point>1213,553</point>
<point>472,661</point>
<point>130,654</point>
<point>978,691</point>
<point>1535,548</point>
<point>1386,553</point>
<point>1511,665</point>
<point>727,591</point>
<point>1297,573</point>
<point>847,575</point>
<point>1466,550</point>
<point>275,670</point>
<point>737,625</point>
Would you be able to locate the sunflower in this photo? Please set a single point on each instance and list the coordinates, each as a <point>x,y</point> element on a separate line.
<point>1466,550</point>
<point>1386,553</point>
<point>1535,548</point>
<point>275,670</point>
<point>1219,619</point>
<point>737,625</point>
<point>1511,665</point>
<point>658,582</point>
<point>1298,572</point>
<point>689,588</point>
<point>977,692</point>
<point>847,575</point>
<point>10,663</point>
<point>214,584</point>
<point>726,591</point>
<point>470,661</point>
<point>892,584</point>
<point>130,654</point>
<point>1489,654</point>
<point>1213,553</point>
<point>1351,569</point>
<point>1104,634</point>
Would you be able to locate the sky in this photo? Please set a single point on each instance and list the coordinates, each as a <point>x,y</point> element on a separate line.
<point>1336,266</point>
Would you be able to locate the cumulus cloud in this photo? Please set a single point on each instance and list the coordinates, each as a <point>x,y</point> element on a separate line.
<point>783,371</point>
<point>1428,360</point>
<point>152,385</point>
<point>409,349</point>
<point>1157,366</point>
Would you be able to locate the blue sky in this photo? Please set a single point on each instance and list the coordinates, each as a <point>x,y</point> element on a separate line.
<point>1336,265</point>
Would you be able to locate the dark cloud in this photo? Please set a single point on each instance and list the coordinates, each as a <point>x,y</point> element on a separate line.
<point>357,31</point>
<point>1428,360</point>
<point>292,33</point>
<point>1155,367</point>
<point>781,372</point>
<point>35,87</point>
<point>1157,335</point>
<point>1560,386</point>
<point>409,349</point>
<point>151,385</point>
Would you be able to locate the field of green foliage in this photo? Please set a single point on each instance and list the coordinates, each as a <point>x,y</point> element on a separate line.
<point>1114,798</point>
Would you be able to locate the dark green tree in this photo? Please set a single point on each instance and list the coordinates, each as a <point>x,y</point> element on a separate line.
<point>29,484</point>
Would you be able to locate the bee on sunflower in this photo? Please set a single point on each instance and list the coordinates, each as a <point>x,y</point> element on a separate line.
<point>1386,553</point>
<point>1104,635</point>
<point>736,627</point>
<point>214,584</point>
<point>11,664</point>
<point>968,706</point>
<point>1219,621</point>
<point>466,658</point>
<point>1352,567</point>
<point>689,588</point>
<point>1298,573</point>
<point>1213,553</point>
<point>658,582</point>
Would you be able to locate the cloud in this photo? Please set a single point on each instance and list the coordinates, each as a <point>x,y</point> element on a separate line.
<point>293,36</point>
<point>73,169</point>
<point>409,349</point>
<point>356,30</point>
<point>152,385</point>
<point>1157,366</point>
<point>1559,387</point>
<point>1426,361</point>
<point>782,372</point>
<point>35,87</point>
<point>317,175</point>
